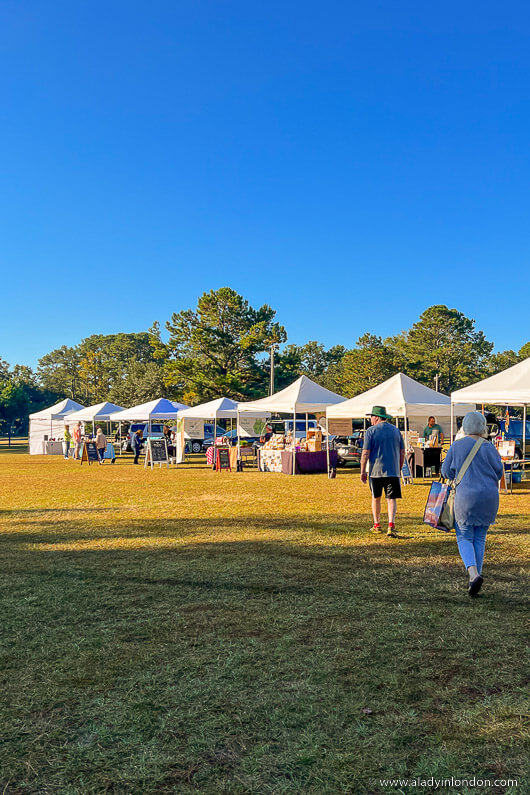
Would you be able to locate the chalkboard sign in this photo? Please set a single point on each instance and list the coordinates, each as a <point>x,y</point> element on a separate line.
<point>90,453</point>
<point>223,458</point>
<point>156,453</point>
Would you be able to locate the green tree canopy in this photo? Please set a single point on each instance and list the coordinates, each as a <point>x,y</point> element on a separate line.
<point>311,359</point>
<point>498,362</point>
<point>368,364</point>
<point>101,367</point>
<point>215,349</point>
<point>443,341</point>
<point>524,352</point>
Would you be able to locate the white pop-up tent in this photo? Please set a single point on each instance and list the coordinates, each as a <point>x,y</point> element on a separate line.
<point>100,412</point>
<point>159,410</point>
<point>301,397</point>
<point>193,421</point>
<point>509,388</point>
<point>49,423</point>
<point>404,397</point>
<point>221,408</point>
<point>153,411</point>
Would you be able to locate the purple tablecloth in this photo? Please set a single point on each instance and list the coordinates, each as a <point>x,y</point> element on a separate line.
<point>308,463</point>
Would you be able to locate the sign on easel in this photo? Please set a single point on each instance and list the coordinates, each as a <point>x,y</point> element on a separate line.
<point>156,453</point>
<point>222,460</point>
<point>90,453</point>
<point>406,474</point>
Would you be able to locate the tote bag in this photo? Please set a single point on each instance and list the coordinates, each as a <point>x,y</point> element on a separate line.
<point>440,507</point>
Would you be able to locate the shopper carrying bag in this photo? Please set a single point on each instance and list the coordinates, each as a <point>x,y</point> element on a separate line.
<point>475,467</point>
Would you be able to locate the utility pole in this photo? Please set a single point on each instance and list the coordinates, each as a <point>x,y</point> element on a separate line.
<point>271,388</point>
<point>437,382</point>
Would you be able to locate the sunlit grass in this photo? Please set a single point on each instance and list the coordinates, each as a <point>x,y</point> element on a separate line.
<point>172,630</point>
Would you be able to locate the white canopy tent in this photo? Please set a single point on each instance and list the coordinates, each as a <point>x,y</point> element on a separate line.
<point>153,411</point>
<point>48,423</point>
<point>100,412</point>
<point>221,408</point>
<point>302,396</point>
<point>509,388</point>
<point>404,397</point>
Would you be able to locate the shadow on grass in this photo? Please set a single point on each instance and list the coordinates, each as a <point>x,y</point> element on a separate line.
<point>212,573</point>
<point>326,526</point>
<point>14,511</point>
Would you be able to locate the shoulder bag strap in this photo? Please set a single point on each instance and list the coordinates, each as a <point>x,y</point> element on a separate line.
<point>470,456</point>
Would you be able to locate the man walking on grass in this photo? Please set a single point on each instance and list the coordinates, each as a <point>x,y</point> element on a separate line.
<point>384,449</point>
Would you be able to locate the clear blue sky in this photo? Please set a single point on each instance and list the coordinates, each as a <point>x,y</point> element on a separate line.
<point>349,163</point>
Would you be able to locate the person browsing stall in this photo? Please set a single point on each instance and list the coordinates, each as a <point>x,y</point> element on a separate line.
<point>67,436</point>
<point>76,433</point>
<point>101,444</point>
<point>432,429</point>
<point>383,448</point>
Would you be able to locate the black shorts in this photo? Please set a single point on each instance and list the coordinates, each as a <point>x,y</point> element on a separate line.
<point>392,487</point>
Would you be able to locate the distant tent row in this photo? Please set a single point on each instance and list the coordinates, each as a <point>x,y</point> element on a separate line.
<point>49,423</point>
<point>401,395</point>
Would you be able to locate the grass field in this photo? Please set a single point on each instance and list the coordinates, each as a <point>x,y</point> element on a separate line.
<point>179,631</point>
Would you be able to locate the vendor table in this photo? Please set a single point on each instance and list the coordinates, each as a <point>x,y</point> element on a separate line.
<point>270,460</point>
<point>509,464</point>
<point>305,463</point>
<point>53,448</point>
<point>423,457</point>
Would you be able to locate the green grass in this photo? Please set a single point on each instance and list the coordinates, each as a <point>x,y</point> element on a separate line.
<point>180,631</point>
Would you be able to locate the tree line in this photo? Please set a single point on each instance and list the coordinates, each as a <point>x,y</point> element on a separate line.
<point>222,347</point>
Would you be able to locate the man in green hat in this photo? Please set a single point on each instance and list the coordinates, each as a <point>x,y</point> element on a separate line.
<point>383,448</point>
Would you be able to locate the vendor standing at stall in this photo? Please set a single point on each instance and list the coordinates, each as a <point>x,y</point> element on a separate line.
<point>432,429</point>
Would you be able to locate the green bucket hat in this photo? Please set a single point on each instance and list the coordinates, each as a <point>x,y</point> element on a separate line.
<point>380,411</point>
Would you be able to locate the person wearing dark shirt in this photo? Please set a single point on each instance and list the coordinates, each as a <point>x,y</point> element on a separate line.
<point>136,444</point>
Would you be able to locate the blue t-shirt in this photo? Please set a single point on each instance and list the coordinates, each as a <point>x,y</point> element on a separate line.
<point>477,496</point>
<point>384,443</point>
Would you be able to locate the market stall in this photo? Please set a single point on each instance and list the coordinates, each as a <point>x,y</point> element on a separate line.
<point>97,414</point>
<point>511,387</point>
<point>190,423</point>
<point>46,427</point>
<point>303,397</point>
<point>405,398</point>
<point>159,410</point>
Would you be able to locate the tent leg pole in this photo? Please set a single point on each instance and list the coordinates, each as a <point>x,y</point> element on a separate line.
<point>452,421</point>
<point>327,441</point>
<point>294,442</point>
<point>524,434</point>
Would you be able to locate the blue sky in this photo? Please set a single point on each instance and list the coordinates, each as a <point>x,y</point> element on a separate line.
<point>348,163</point>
